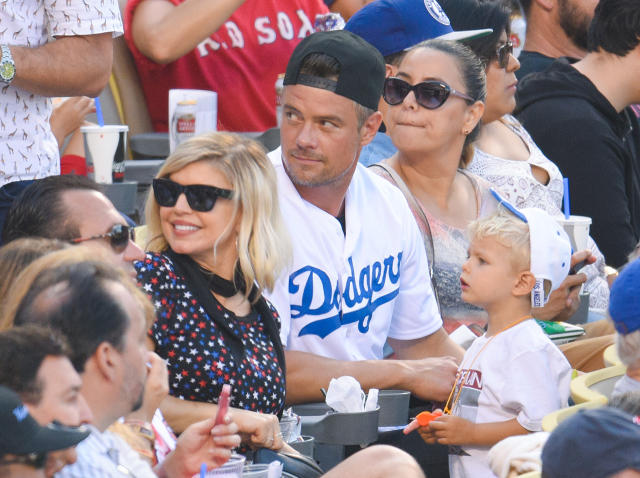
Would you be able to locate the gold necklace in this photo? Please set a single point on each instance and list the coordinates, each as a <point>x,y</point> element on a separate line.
<point>462,375</point>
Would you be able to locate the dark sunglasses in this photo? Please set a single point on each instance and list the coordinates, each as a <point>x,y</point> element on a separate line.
<point>429,94</point>
<point>200,198</point>
<point>503,54</point>
<point>118,236</point>
<point>35,460</point>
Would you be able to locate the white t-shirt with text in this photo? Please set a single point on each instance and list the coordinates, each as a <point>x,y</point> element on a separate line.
<point>520,374</point>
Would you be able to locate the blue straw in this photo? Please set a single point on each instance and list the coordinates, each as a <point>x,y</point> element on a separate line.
<point>566,203</point>
<point>203,470</point>
<point>99,111</point>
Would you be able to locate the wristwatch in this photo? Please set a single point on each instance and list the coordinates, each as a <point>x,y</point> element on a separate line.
<point>7,65</point>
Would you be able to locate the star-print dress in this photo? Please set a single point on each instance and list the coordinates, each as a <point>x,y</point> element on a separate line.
<point>201,355</point>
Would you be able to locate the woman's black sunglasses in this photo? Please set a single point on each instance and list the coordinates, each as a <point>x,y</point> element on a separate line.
<point>503,54</point>
<point>200,197</point>
<point>429,94</point>
<point>118,236</point>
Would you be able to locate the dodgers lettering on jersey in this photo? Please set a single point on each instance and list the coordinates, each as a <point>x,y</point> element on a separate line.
<point>359,295</point>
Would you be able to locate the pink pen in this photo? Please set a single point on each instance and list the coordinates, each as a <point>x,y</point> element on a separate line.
<point>223,404</point>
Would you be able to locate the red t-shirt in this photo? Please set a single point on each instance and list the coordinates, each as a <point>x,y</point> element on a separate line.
<point>241,62</point>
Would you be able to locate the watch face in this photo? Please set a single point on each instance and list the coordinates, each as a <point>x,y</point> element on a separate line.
<point>7,70</point>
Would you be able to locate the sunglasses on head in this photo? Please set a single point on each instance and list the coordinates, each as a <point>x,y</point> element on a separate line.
<point>503,54</point>
<point>200,197</point>
<point>118,236</point>
<point>429,94</point>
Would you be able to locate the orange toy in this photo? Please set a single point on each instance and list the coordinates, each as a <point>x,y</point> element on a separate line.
<point>424,418</point>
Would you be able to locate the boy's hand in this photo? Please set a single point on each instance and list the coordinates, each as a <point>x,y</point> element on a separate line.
<point>449,430</point>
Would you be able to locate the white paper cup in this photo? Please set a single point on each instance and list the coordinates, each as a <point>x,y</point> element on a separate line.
<point>100,145</point>
<point>577,228</point>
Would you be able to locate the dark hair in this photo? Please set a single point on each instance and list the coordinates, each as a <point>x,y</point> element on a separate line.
<point>74,299</point>
<point>525,6</point>
<point>325,66</point>
<point>395,58</point>
<point>476,14</point>
<point>39,210</point>
<point>474,79</point>
<point>22,351</point>
<point>615,27</point>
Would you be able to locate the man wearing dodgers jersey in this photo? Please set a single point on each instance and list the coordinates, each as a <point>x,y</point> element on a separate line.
<point>359,276</point>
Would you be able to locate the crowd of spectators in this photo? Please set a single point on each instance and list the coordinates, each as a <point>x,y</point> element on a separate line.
<point>412,196</point>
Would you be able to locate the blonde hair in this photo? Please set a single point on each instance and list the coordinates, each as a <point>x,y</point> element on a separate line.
<point>18,254</point>
<point>53,260</point>
<point>507,229</point>
<point>263,241</point>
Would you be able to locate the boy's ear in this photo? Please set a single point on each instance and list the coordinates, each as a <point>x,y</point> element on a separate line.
<point>524,284</point>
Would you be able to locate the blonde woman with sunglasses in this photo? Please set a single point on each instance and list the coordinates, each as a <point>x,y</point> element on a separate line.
<point>216,241</point>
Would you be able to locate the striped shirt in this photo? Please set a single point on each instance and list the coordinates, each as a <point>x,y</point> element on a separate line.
<point>103,455</point>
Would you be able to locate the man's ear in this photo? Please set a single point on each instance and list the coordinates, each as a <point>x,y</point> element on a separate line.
<point>524,284</point>
<point>106,359</point>
<point>370,128</point>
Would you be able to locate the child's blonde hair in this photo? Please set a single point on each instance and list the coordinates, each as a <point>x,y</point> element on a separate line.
<point>507,229</point>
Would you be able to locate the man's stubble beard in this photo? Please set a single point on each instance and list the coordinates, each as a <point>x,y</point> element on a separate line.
<point>574,23</point>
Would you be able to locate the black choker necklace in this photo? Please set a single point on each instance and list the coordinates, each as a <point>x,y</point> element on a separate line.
<point>221,286</point>
<point>226,288</point>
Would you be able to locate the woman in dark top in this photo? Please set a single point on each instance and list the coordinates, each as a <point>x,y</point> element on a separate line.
<point>216,240</point>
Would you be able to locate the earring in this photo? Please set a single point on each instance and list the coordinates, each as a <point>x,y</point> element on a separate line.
<point>466,132</point>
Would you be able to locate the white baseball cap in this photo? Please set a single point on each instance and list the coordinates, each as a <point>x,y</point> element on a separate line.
<point>550,249</point>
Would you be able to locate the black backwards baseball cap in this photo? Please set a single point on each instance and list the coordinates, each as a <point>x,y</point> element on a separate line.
<point>20,434</point>
<point>593,444</point>
<point>362,68</point>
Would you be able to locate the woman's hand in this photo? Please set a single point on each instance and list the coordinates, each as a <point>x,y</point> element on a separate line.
<point>258,430</point>
<point>155,390</point>
<point>564,301</point>
<point>69,115</point>
<point>202,442</point>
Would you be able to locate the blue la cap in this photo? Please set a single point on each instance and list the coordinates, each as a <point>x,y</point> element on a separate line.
<point>624,300</point>
<point>396,25</point>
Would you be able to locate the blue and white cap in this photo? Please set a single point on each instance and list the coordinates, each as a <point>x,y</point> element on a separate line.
<point>550,249</point>
<point>393,26</point>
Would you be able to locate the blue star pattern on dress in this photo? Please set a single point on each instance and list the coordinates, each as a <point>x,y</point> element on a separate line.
<point>199,353</point>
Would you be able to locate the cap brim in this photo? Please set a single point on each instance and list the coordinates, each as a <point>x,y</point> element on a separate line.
<point>510,207</point>
<point>54,437</point>
<point>465,34</point>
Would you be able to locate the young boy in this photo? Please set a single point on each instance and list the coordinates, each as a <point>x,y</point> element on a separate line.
<point>512,376</point>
